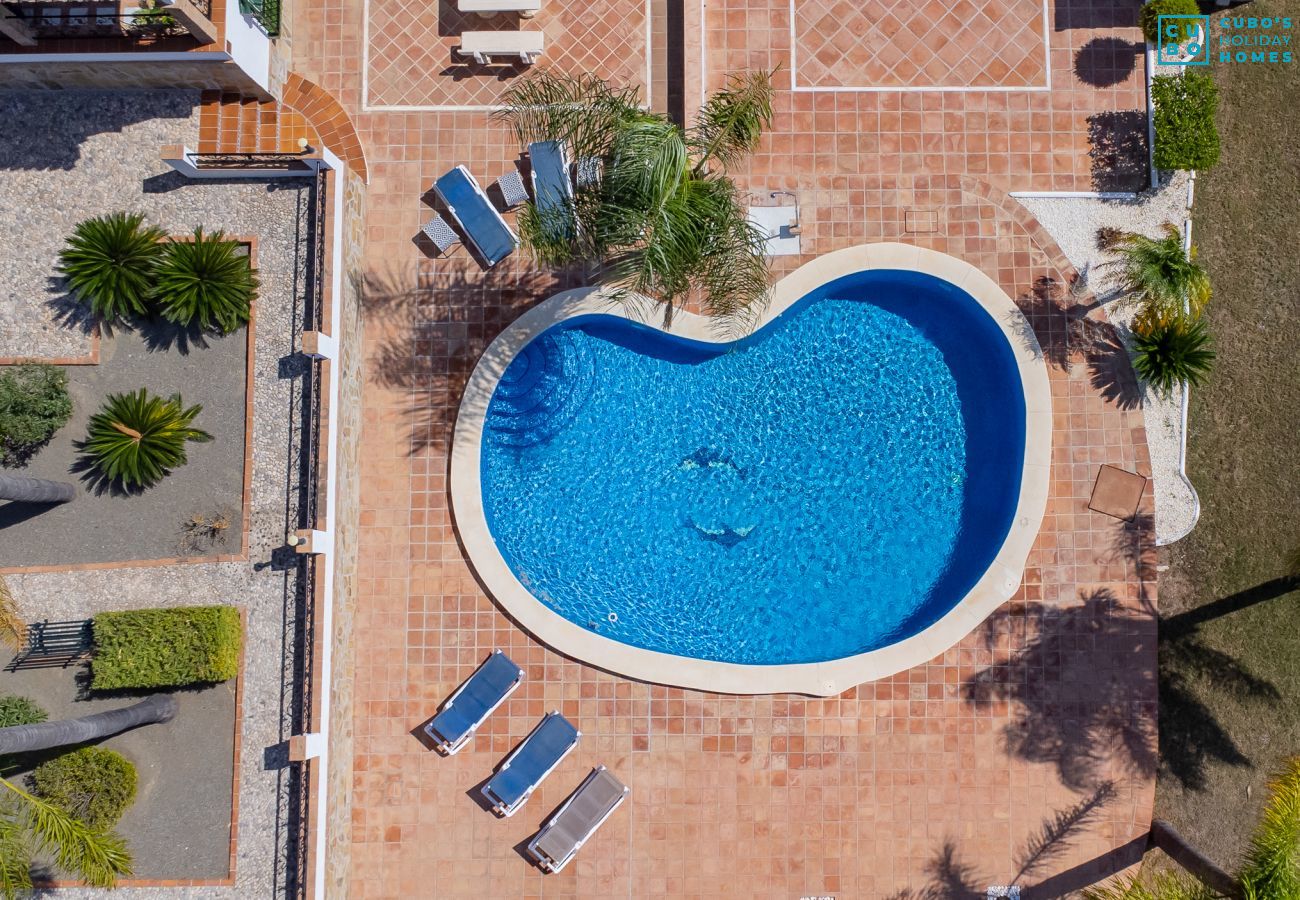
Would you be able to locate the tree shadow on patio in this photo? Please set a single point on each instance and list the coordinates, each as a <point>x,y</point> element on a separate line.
<point>1060,321</point>
<point>1117,142</point>
<point>952,878</point>
<point>437,323</point>
<point>1110,369</point>
<point>1082,685</point>
<point>1106,61</point>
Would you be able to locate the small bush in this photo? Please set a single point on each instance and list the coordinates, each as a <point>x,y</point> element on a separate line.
<point>109,263</point>
<point>157,648</point>
<point>137,439</point>
<point>1186,137</point>
<point>1149,18</point>
<point>1172,352</point>
<point>34,404</point>
<point>15,710</point>
<point>94,784</point>
<point>205,282</point>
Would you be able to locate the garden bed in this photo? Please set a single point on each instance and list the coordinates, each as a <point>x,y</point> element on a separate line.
<point>105,525</point>
<point>179,825</point>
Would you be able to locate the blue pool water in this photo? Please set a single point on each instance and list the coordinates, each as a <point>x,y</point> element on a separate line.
<point>831,484</point>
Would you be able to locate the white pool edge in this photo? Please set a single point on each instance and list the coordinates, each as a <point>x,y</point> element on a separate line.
<point>998,584</point>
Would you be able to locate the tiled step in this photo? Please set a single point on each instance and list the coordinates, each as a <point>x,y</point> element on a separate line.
<point>232,123</point>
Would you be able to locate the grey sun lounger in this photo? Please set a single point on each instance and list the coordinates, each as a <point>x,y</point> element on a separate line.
<point>473,702</point>
<point>529,764</point>
<point>478,218</point>
<point>577,820</point>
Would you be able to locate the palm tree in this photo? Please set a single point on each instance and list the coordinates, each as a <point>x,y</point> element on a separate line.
<point>205,281</point>
<point>109,263</point>
<point>30,825</point>
<point>1270,871</point>
<point>1156,275</point>
<point>137,439</point>
<point>662,218</point>
<point>94,727</point>
<point>1174,351</point>
<point>25,489</point>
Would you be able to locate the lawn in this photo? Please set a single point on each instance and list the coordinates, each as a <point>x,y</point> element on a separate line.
<point>1230,645</point>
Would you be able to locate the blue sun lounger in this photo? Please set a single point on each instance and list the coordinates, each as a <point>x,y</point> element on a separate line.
<point>530,763</point>
<point>478,218</point>
<point>550,166</point>
<point>473,702</point>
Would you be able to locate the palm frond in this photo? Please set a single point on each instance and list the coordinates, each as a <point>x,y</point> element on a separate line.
<point>205,282</point>
<point>584,111</point>
<point>137,439</point>
<point>97,857</point>
<point>1272,866</point>
<point>1157,276</point>
<point>108,262</point>
<point>16,853</point>
<point>732,120</point>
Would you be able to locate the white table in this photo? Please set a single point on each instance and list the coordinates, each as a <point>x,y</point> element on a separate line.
<point>526,8</point>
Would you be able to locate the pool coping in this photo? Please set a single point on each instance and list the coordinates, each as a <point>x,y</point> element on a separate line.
<point>998,584</point>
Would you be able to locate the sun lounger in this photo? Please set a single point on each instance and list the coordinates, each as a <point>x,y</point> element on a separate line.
<point>577,820</point>
<point>527,46</point>
<point>473,702</point>
<point>478,218</point>
<point>530,763</point>
<point>526,8</point>
<point>552,188</point>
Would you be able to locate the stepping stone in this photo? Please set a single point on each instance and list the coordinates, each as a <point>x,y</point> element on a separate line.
<point>1117,493</point>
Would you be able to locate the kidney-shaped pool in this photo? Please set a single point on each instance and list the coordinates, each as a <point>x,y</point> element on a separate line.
<point>832,484</point>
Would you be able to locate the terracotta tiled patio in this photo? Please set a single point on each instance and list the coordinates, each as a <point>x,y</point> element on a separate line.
<point>937,778</point>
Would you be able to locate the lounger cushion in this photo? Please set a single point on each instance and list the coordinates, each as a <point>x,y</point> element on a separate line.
<point>485,688</point>
<point>575,822</point>
<point>537,755</point>
<point>482,223</point>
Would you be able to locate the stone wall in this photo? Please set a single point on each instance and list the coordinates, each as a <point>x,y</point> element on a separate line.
<point>347,515</point>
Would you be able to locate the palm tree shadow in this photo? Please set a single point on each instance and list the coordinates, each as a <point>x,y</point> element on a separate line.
<point>1111,370</point>
<point>1082,686</point>
<point>94,479</point>
<point>1060,322</point>
<point>159,335</point>
<point>439,321</point>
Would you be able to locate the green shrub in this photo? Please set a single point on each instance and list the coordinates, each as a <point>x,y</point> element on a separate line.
<point>34,404</point>
<point>205,282</point>
<point>1172,352</point>
<point>156,648</point>
<point>94,784</point>
<point>1149,18</point>
<point>109,263</point>
<point>1186,137</point>
<point>15,710</point>
<point>137,439</point>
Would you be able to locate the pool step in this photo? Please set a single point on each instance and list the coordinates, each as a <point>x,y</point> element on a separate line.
<point>542,391</point>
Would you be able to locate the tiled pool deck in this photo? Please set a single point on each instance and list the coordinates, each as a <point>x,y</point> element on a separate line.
<point>930,783</point>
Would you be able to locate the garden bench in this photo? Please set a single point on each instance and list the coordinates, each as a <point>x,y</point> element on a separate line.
<point>52,644</point>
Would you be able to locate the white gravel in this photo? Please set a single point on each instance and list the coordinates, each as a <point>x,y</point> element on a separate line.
<point>1073,222</point>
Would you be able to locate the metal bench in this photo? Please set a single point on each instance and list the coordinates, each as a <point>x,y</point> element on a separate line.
<point>52,644</point>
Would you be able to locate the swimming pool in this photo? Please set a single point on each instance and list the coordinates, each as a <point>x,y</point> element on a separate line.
<point>827,489</point>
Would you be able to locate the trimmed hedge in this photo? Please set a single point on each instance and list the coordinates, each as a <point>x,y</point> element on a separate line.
<point>94,784</point>
<point>157,648</point>
<point>1186,137</point>
<point>1149,18</point>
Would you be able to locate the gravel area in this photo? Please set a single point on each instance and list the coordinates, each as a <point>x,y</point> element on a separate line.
<point>1073,222</point>
<point>265,586</point>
